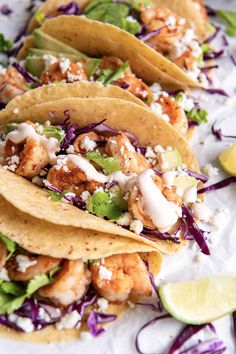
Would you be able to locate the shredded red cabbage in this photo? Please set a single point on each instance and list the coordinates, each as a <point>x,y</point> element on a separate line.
<point>210,11</point>
<point>212,91</point>
<point>150,234</point>
<point>187,332</point>
<point>213,36</point>
<point>213,55</point>
<point>149,323</point>
<point>225,40</point>
<point>72,8</point>
<point>234,325</point>
<point>218,133</point>
<point>24,73</point>
<point>194,230</point>
<point>5,10</point>
<point>208,68</point>
<point>233,59</point>
<point>111,185</point>
<point>226,182</point>
<point>198,176</point>
<point>159,306</point>
<point>96,318</point>
<point>211,346</point>
<point>88,300</point>
<point>144,37</point>
<point>192,123</point>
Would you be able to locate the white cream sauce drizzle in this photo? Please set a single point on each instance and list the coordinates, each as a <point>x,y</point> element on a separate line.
<point>155,204</point>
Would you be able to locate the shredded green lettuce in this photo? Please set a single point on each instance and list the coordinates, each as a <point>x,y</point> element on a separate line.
<point>55,197</point>
<point>107,76</point>
<point>40,17</point>
<point>107,204</point>
<point>5,44</point>
<point>197,115</point>
<point>109,164</point>
<point>230,18</point>
<point>10,245</point>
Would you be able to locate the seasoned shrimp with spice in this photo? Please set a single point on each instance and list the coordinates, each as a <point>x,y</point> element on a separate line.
<point>69,285</point>
<point>3,254</point>
<point>23,267</point>
<point>118,277</point>
<point>171,27</point>
<point>123,151</point>
<point>75,174</point>
<point>12,84</point>
<point>59,71</point>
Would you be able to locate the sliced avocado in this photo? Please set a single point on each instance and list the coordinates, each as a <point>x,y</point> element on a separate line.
<point>44,41</point>
<point>35,63</point>
<point>185,182</point>
<point>227,160</point>
<point>171,159</point>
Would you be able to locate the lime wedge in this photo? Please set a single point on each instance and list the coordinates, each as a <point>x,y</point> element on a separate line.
<point>227,160</point>
<point>201,301</point>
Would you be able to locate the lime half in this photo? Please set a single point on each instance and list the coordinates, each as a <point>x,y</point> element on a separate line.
<point>227,160</point>
<point>201,301</point>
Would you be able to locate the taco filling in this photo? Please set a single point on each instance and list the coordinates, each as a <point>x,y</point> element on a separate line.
<point>105,172</point>
<point>51,61</point>
<point>37,291</point>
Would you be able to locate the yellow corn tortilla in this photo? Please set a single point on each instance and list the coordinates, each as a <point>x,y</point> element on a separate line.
<point>79,89</point>
<point>187,9</point>
<point>40,237</point>
<point>96,38</point>
<point>142,123</point>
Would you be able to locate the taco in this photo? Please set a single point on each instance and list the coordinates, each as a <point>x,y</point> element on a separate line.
<point>47,60</point>
<point>160,25</point>
<point>57,282</point>
<point>87,152</point>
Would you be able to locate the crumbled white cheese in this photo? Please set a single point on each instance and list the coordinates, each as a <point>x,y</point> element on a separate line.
<point>219,218</point>
<point>201,212</point>
<point>169,177</point>
<point>171,21</point>
<point>4,274</point>
<point>69,321</point>
<point>49,60</point>
<point>103,304</point>
<point>2,70</point>
<point>88,144</point>
<point>85,196</point>
<point>16,110</point>
<point>43,315</point>
<point>24,262</point>
<point>64,65</point>
<point>104,273</point>
<point>150,153</point>
<point>85,335</point>
<point>187,103</point>
<point>210,170</point>
<point>136,226</point>
<point>190,195</point>
<point>37,180</point>
<point>124,220</point>
<point>156,89</point>
<point>71,149</point>
<point>159,149</point>
<point>22,322</point>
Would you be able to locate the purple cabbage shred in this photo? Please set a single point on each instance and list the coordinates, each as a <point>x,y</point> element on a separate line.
<point>5,10</point>
<point>213,91</point>
<point>96,318</point>
<point>218,133</point>
<point>198,176</point>
<point>219,185</point>
<point>24,73</point>
<point>72,8</point>
<point>145,37</point>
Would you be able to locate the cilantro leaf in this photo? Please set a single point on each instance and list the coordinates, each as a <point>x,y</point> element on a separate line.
<point>10,245</point>
<point>54,271</point>
<point>230,18</point>
<point>92,261</point>
<point>109,164</point>
<point>107,204</point>
<point>37,282</point>
<point>55,197</point>
<point>9,287</point>
<point>198,115</point>
<point>117,74</point>
<point>5,45</point>
<point>40,17</point>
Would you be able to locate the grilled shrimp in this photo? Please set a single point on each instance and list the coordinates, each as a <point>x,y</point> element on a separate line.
<point>170,25</point>
<point>69,284</point>
<point>12,84</point>
<point>175,113</point>
<point>123,151</point>
<point>186,61</point>
<point>135,204</point>
<point>70,177</point>
<point>26,159</point>
<point>128,277</point>
<point>54,73</point>
<point>136,86</point>
<point>40,265</point>
<point>87,142</point>
<point>3,254</point>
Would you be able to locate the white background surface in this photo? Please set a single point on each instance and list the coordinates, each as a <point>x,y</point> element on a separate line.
<point>119,338</point>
